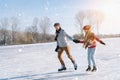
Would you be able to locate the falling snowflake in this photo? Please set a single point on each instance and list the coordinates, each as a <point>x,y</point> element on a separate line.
<point>6,5</point>
<point>57,14</point>
<point>48,3</point>
<point>19,14</point>
<point>64,6</point>
<point>55,8</point>
<point>19,50</point>
<point>119,55</point>
<point>46,8</point>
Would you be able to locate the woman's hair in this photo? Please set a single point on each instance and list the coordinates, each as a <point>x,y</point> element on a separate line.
<point>88,35</point>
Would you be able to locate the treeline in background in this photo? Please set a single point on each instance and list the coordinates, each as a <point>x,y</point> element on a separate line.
<point>38,31</point>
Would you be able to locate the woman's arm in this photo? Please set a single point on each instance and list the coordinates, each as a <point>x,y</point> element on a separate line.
<point>99,40</point>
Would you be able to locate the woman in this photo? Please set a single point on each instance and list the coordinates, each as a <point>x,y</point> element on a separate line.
<point>89,42</point>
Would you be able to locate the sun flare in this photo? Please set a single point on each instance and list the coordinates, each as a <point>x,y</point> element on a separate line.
<point>111,8</point>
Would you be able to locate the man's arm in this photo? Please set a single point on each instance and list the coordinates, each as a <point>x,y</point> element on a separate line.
<point>74,40</point>
<point>69,37</point>
<point>78,41</point>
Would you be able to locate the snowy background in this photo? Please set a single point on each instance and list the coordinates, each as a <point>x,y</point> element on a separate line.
<point>63,11</point>
<point>39,62</point>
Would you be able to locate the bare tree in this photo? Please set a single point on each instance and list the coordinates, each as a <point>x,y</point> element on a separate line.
<point>99,17</point>
<point>28,35</point>
<point>90,16</point>
<point>4,25</point>
<point>95,18</point>
<point>45,27</point>
<point>80,16</point>
<point>34,29</point>
<point>14,28</point>
<point>32,35</point>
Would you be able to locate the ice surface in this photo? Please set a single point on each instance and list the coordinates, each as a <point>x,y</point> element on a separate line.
<point>39,62</point>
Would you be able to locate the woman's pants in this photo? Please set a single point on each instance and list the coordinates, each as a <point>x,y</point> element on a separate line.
<point>91,52</point>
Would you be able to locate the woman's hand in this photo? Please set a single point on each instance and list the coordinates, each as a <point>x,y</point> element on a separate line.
<point>102,42</point>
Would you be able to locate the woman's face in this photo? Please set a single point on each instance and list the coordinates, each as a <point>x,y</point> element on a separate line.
<point>85,31</point>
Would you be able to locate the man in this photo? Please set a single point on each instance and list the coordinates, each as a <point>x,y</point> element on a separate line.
<point>62,45</point>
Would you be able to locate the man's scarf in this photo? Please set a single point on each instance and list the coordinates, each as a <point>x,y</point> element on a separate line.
<point>57,33</point>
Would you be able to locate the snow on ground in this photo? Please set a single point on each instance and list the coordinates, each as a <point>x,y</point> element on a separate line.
<point>39,62</point>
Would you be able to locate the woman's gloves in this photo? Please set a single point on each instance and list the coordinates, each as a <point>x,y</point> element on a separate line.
<point>102,42</point>
<point>76,41</point>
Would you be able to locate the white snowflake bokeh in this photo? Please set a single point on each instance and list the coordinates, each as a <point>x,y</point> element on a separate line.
<point>6,5</point>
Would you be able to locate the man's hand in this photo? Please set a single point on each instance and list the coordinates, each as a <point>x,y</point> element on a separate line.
<point>76,41</point>
<point>57,48</point>
<point>102,42</point>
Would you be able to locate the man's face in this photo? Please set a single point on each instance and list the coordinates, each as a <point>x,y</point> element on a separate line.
<point>57,27</point>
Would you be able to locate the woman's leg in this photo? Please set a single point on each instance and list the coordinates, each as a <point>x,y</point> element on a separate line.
<point>89,59</point>
<point>89,56</point>
<point>93,60</point>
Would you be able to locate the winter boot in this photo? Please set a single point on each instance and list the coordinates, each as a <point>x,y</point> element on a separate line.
<point>62,69</point>
<point>88,69</point>
<point>94,69</point>
<point>75,66</point>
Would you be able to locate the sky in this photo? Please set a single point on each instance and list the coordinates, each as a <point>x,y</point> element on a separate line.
<point>62,11</point>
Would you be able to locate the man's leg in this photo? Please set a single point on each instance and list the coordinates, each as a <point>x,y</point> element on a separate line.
<point>60,57</point>
<point>67,50</point>
<point>61,60</point>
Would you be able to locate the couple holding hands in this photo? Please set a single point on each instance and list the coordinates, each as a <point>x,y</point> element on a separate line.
<point>89,42</point>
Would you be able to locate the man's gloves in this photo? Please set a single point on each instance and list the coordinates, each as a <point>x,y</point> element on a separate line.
<point>76,41</point>
<point>102,42</point>
<point>57,49</point>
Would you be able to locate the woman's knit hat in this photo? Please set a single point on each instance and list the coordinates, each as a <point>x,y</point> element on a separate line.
<point>87,27</point>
